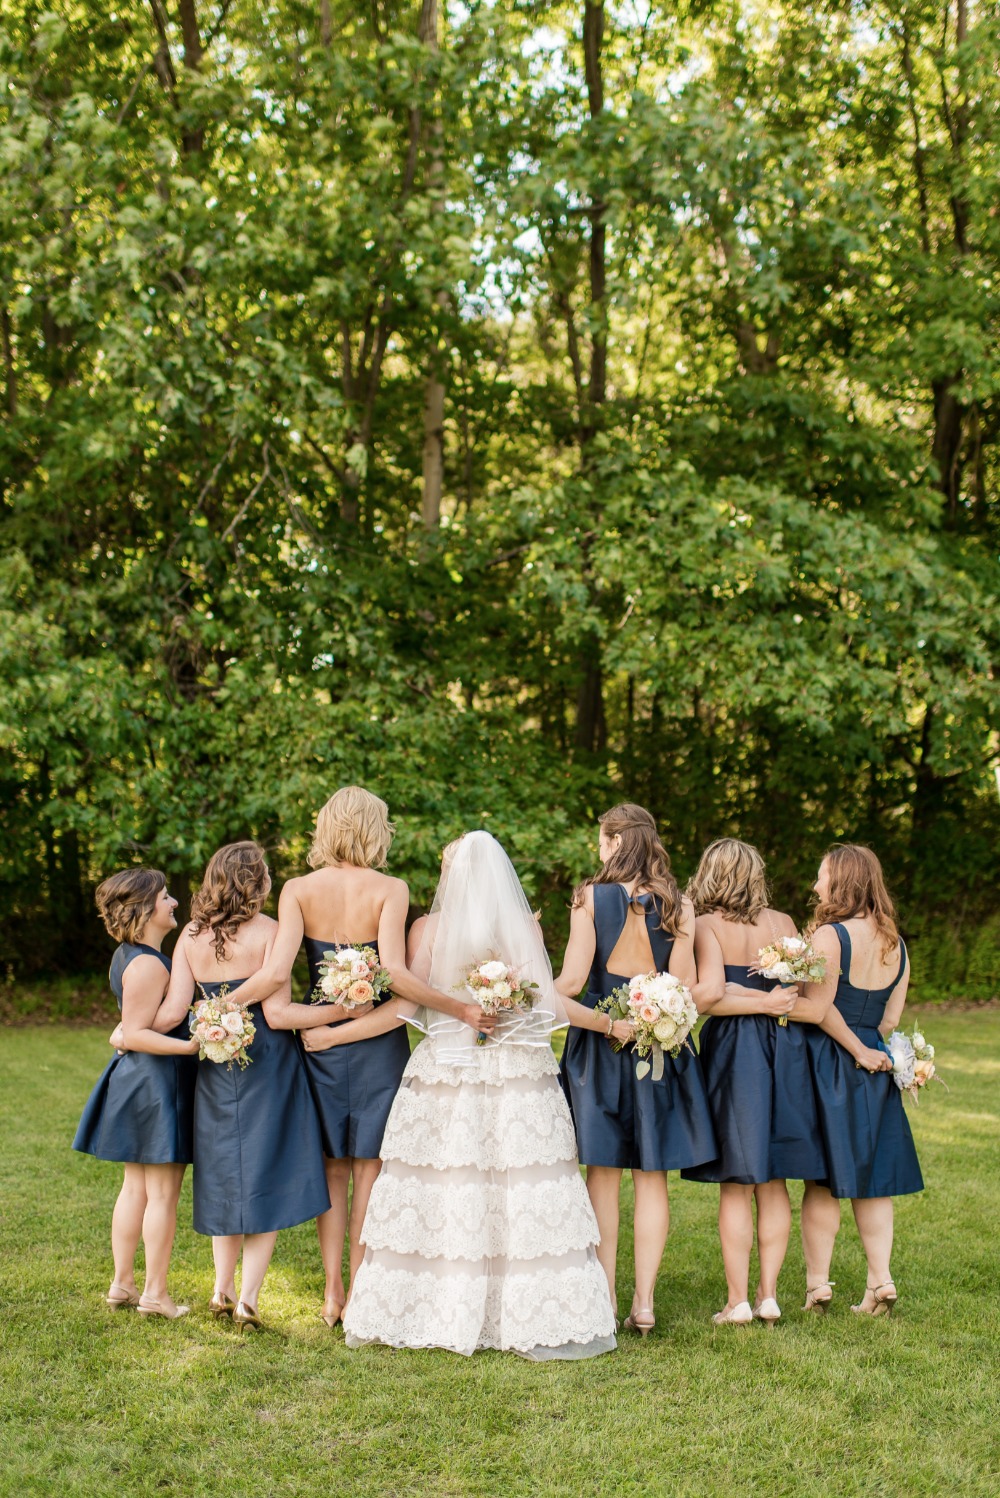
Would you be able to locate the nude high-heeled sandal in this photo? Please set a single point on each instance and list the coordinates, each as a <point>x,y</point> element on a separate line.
<point>120,1299</point>
<point>816,1300</point>
<point>157,1308</point>
<point>883,1303</point>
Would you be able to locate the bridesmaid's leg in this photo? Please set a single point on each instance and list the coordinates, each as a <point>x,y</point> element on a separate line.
<point>331,1228</point>
<point>603,1185</point>
<point>873,1216</point>
<point>652,1224</point>
<point>226,1253</point>
<point>736,1237</point>
<point>126,1226</point>
<point>364,1175</point>
<point>159,1224</point>
<point>820,1226</point>
<point>257,1251</point>
<point>774,1224</point>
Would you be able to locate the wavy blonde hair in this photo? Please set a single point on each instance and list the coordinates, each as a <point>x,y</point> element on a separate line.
<point>640,856</point>
<point>353,827</point>
<point>857,886</point>
<point>233,891</point>
<point>732,880</point>
<point>125,902</point>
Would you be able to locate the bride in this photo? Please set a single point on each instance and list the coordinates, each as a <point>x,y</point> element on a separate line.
<point>479,1231</point>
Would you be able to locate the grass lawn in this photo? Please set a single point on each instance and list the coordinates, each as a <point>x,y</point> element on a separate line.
<point>99,1403</point>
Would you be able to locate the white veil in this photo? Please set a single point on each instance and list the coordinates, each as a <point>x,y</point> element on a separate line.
<point>480,913</point>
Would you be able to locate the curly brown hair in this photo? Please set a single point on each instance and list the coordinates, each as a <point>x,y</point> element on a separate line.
<point>125,901</point>
<point>732,880</point>
<point>234,889</point>
<point>857,887</point>
<point>640,856</point>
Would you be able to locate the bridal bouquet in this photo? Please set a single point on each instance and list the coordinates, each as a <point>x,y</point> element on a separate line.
<point>350,977</point>
<point>912,1062</point>
<point>790,959</point>
<point>223,1029</point>
<point>497,988</point>
<point>662,1012</point>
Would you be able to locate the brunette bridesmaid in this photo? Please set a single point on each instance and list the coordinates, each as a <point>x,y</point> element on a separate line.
<point>870,1156</point>
<point>257,1141</point>
<point>140,1113</point>
<point>757,1075</point>
<point>628,919</point>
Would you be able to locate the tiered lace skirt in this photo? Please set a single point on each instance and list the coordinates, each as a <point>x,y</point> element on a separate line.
<point>479,1232</point>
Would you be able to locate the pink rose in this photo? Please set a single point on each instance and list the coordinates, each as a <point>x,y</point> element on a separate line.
<point>359,969</point>
<point>360,993</point>
<point>649,1014</point>
<point>214,1034</point>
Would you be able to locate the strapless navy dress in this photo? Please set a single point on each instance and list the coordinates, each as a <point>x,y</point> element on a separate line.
<point>866,1135</point>
<point>760,1091</point>
<point>257,1143</point>
<point>354,1085</point>
<point>621,1120</point>
<point>142,1108</point>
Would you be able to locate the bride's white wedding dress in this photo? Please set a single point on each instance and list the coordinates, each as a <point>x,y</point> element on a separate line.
<point>479,1232</point>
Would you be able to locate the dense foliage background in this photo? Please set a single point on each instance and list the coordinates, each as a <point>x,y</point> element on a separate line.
<point>510,406</point>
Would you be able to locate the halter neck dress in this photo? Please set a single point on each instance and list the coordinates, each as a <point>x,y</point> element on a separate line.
<point>760,1091</point>
<point>621,1120</point>
<point>866,1135</point>
<point>257,1144</point>
<point>141,1110</point>
<point>354,1085</point>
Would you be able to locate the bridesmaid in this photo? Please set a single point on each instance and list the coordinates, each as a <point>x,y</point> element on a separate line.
<point>870,1156</point>
<point>140,1112</point>
<point>346,901</point>
<point>628,919</point>
<point>257,1141</point>
<point>756,1073</point>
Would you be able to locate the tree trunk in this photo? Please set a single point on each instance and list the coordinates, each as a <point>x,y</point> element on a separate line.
<point>433,457</point>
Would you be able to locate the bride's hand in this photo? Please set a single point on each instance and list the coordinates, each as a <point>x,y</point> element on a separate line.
<point>476,1019</point>
<point>623,1031</point>
<point>320,1038</point>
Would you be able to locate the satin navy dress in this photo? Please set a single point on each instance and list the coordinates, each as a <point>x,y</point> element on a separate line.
<point>760,1091</point>
<point>256,1138</point>
<point>621,1120</point>
<point>354,1085</point>
<point>141,1110</point>
<point>866,1134</point>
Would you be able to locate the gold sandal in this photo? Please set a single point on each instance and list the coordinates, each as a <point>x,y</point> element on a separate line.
<point>221,1305</point>
<point>883,1303</point>
<point>817,1302</point>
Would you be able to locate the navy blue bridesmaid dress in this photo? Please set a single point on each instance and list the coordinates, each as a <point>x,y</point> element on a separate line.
<point>760,1091</point>
<point>354,1085</point>
<point>866,1135</point>
<point>621,1120</point>
<point>257,1138</point>
<point>141,1110</point>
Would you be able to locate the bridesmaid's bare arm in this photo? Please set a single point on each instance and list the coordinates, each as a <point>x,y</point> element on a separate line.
<point>142,990</point>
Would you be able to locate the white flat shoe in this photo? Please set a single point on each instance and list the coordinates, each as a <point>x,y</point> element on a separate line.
<point>740,1315</point>
<point>767,1311</point>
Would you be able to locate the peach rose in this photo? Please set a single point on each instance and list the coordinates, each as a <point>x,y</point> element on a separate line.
<point>649,1013</point>
<point>214,1034</point>
<point>360,993</point>
<point>923,1071</point>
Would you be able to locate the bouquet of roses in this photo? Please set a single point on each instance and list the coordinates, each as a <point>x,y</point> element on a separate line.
<point>350,977</point>
<point>497,988</point>
<point>912,1062</point>
<point>223,1029</point>
<point>790,959</point>
<point>663,1013</point>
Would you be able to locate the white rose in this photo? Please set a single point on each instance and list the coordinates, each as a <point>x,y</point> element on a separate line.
<point>494,970</point>
<point>918,1041</point>
<point>232,1022</point>
<point>928,1052</point>
<point>502,990</point>
<point>664,1030</point>
<point>330,984</point>
<point>675,1006</point>
<point>348,954</point>
<point>782,972</point>
<point>359,969</point>
<point>794,944</point>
